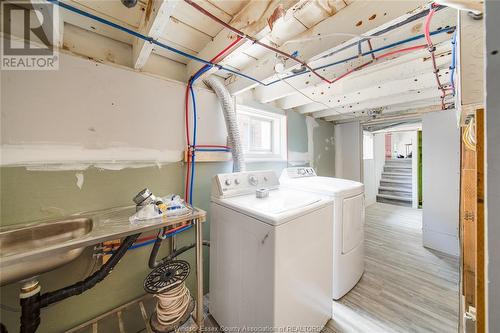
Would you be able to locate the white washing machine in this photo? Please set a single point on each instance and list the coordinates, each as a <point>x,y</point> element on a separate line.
<point>348,222</point>
<point>270,254</point>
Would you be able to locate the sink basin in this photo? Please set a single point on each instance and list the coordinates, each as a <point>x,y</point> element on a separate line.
<point>19,239</point>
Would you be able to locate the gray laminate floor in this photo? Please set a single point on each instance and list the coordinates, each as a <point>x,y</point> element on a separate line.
<point>405,287</point>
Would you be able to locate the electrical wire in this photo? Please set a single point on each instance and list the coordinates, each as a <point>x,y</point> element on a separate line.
<point>305,95</point>
<point>432,50</point>
<point>172,304</point>
<point>453,61</point>
<point>357,68</point>
<point>252,39</point>
<point>190,165</point>
<point>469,135</point>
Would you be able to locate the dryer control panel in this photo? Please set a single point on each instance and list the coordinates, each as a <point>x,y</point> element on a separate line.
<point>299,172</point>
<point>240,183</point>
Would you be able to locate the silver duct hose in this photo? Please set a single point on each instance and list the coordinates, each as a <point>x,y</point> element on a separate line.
<point>227,104</point>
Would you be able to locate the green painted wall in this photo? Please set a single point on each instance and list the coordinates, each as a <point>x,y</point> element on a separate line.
<point>30,195</point>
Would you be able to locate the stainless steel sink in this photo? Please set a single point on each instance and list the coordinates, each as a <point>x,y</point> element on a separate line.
<point>18,239</point>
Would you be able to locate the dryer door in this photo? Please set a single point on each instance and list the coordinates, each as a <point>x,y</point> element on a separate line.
<point>353,216</point>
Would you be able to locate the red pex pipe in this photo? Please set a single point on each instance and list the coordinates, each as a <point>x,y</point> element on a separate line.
<point>432,50</point>
<point>252,39</point>
<point>188,158</point>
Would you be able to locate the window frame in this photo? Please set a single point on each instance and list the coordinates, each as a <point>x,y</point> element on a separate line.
<point>279,148</point>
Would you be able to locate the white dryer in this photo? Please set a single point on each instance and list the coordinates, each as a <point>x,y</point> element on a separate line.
<point>270,254</point>
<point>348,222</point>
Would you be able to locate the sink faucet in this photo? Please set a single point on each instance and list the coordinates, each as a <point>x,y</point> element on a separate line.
<point>144,198</point>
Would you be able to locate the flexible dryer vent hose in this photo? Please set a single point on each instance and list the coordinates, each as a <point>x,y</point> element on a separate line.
<point>227,104</point>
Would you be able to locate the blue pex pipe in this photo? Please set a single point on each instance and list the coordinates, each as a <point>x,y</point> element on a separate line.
<point>453,61</point>
<point>195,122</point>
<point>404,41</point>
<point>210,64</point>
<point>149,39</point>
<point>213,149</point>
<point>135,246</point>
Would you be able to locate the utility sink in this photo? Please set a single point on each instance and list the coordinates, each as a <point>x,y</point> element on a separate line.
<point>34,248</point>
<point>34,237</point>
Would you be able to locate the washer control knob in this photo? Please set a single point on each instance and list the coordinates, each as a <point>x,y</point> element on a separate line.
<point>228,182</point>
<point>301,171</point>
<point>236,181</point>
<point>253,180</point>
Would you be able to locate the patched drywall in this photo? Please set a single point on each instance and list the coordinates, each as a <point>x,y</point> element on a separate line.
<point>87,113</point>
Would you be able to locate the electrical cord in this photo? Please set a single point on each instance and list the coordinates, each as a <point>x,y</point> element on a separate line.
<point>303,94</point>
<point>172,304</point>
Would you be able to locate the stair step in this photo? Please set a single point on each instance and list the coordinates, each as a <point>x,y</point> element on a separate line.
<point>402,177</point>
<point>398,170</point>
<point>394,197</point>
<point>396,181</point>
<point>403,168</point>
<point>394,174</point>
<point>399,160</point>
<point>394,202</point>
<point>394,189</point>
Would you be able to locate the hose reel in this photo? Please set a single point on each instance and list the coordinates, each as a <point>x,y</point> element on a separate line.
<point>175,304</point>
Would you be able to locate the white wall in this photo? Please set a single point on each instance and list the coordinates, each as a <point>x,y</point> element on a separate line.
<point>348,151</point>
<point>493,166</point>
<point>441,181</point>
<point>369,178</point>
<point>87,112</point>
<point>414,169</point>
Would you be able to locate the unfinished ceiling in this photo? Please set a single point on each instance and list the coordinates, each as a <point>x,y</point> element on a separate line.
<point>334,37</point>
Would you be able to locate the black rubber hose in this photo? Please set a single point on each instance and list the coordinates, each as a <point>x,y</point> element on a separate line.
<point>30,313</point>
<point>81,286</point>
<point>153,263</point>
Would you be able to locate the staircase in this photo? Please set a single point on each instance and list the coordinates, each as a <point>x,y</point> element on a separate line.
<point>395,184</point>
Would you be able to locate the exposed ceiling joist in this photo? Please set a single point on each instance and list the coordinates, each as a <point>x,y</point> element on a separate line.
<point>252,20</point>
<point>97,27</point>
<point>366,81</point>
<point>353,19</point>
<point>391,87</point>
<point>153,23</point>
<point>279,90</point>
<point>395,114</point>
<point>408,98</point>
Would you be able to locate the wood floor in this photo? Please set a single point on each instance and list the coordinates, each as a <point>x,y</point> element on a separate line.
<point>405,287</point>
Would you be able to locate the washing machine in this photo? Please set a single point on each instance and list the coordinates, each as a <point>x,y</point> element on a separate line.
<point>348,222</point>
<point>270,255</point>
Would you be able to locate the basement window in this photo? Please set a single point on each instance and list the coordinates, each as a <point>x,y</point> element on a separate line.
<point>263,134</point>
<point>367,145</point>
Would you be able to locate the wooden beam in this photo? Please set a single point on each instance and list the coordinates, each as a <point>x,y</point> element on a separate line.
<point>421,107</point>
<point>252,20</point>
<point>56,22</point>
<point>153,23</point>
<point>480,230</point>
<point>408,97</point>
<point>468,223</point>
<point>442,41</point>
<point>348,18</point>
<point>379,77</point>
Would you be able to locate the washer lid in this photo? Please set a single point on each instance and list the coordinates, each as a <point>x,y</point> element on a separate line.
<point>282,205</point>
<point>325,185</point>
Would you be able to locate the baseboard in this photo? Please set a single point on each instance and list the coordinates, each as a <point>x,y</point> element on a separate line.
<point>440,242</point>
